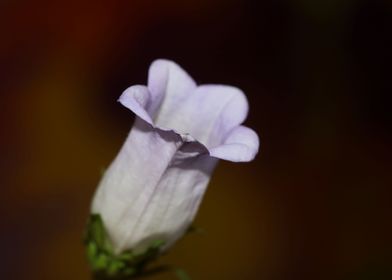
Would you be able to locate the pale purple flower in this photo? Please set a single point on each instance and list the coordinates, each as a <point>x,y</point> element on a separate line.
<point>153,188</point>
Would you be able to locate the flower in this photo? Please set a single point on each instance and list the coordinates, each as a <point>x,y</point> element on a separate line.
<point>153,188</point>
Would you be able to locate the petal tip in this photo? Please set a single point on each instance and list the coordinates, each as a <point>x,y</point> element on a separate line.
<point>135,98</point>
<point>242,145</point>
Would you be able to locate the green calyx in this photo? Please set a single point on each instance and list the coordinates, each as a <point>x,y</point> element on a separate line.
<point>107,265</point>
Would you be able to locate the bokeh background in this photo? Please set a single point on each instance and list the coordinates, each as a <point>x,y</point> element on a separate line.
<point>315,204</point>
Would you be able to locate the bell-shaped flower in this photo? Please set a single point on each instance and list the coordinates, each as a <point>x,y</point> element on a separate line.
<point>153,188</point>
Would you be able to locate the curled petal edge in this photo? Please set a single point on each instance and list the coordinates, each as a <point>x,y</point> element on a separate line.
<point>241,144</point>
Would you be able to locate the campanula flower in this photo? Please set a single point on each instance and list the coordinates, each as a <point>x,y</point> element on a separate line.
<point>153,188</point>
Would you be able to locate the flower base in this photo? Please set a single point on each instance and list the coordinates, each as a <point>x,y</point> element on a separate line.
<point>107,265</point>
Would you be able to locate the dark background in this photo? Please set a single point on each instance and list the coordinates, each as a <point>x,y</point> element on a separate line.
<point>316,202</point>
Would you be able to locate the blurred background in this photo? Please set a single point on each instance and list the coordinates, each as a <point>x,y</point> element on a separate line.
<point>315,204</point>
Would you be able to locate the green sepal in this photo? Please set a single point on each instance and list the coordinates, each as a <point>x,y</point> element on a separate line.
<point>107,265</point>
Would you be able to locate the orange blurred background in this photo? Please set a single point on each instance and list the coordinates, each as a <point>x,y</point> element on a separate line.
<point>315,204</point>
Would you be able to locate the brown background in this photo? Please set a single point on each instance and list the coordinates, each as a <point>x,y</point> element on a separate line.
<point>315,204</point>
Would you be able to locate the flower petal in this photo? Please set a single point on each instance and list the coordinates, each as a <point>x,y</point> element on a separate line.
<point>168,84</point>
<point>131,181</point>
<point>209,113</point>
<point>136,98</point>
<point>241,145</point>
<point>176,199</point>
